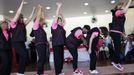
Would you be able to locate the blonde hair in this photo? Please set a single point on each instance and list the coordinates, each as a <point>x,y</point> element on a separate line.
<point>120,4</point>
<point>1,24</point>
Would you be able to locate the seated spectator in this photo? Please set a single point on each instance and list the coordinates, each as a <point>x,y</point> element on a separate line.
<point>129,48</point>
<point>103,52</point>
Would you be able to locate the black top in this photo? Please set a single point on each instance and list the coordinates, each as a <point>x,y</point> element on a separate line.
<point>117,22</point>
<point>72,39</point>
<point>5,44</point>
<point>19,33</point>
<point>58,36</point>
<point>95,29</point>
<point>40,36</point>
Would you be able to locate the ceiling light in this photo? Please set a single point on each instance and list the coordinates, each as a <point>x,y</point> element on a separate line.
<point>113,1</point>
<point>25,2</point>
<point>106,11</point>
<point>85,13</point>
<point>11,11</point>
<point>54,16</point>
<point>86,4</point>
<point>48,8</point>
<point>25,19</point>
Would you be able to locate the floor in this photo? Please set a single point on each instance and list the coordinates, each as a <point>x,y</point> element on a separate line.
<point>104,67</point>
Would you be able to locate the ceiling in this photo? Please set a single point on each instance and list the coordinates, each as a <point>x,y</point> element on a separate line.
<point>70,8</point>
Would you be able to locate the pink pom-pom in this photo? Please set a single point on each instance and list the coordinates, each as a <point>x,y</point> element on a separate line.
<point>118,13</point>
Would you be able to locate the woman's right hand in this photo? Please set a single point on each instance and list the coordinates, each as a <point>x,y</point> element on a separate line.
<point>59,4</point>
<point>23,1</point>
<point>89,50</point>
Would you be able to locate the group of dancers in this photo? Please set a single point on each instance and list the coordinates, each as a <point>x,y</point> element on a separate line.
<point>15,38</point>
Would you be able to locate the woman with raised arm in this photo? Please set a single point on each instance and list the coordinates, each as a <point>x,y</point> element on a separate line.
<point>5,49</point>
<point>58,40</point>
<point>18,30</point>
<point>40,40</point>
<point>117,30</point>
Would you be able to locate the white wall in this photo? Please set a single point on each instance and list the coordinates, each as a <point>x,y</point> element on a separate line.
<point>1,17</point>
<point>103,20</point>
<point>71,23</point>
<point>129,26</point>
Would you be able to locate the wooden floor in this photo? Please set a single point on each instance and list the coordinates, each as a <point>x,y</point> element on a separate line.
<point>105,70</point>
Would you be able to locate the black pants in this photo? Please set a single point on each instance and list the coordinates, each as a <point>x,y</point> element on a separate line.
<point>41,52</point>
<point>102,55</point>
<point>93,53</point>
<point>111,51</point>
<point>116,37</point>
<point>22,53</point>
<point>58,58</point>
<point>130,56</point>
<point>73,50</point>
<point>5,62</point>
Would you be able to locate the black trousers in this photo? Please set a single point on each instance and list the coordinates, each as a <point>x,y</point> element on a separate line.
<point>41,52</point>
<point>102,55</point>
<point>22,53</point>
<point>130,56</point>
<point>111,51</point>
<point>116,37</point>
<point>58,58</point>
<point>93,53</point>
<point>5,62</point>
<point>73,50</point>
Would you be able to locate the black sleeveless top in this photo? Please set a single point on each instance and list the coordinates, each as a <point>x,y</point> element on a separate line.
<point>40,36</point>
<point>58,36</point>
<point>19,33</point>
<point>95,29</point>
<point>117,22</point>
<point>72,39</point>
